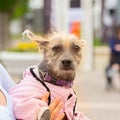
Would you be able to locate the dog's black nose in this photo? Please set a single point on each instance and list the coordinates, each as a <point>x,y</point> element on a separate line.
<point>66,62</point>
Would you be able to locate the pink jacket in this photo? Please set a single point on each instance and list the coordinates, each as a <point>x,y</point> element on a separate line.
<point>27,95</point>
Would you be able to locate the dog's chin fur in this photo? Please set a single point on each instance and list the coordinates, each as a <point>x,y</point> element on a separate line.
<point>67,75</point>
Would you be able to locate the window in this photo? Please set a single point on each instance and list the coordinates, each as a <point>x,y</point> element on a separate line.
<point>75,3</point>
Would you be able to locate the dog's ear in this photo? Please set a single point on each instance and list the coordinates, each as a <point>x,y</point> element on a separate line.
<point>40,40</point>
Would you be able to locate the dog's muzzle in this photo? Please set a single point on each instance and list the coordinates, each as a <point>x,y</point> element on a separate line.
<point>66,64</point>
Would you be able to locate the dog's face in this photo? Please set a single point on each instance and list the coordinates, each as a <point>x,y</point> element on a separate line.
<point>62,54</point>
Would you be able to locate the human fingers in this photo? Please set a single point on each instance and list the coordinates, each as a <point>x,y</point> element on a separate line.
<point>60,117</point>
<point>56,110</point>
<point>54,103</point>
<point>45,97</point>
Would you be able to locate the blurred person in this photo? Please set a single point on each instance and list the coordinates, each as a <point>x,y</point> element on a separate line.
<point>109,8</point>
<point>114,63</point>
<point>6,107</point>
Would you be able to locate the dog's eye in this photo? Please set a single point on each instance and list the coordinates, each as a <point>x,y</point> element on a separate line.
<point>56,48</point>
<point>76,48</point>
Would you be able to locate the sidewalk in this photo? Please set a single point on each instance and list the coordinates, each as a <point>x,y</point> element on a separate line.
<point>93,99</point>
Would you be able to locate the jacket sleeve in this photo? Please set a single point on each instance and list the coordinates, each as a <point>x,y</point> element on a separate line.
<point>26,97</point>
<point>70,110</point>
<point>29,109</point>
<point>80,116</point>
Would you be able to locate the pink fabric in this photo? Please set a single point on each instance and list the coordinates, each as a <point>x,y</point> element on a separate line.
<point>27,95</point>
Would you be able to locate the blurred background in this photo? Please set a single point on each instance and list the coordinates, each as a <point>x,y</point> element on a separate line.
<point>92,20</point>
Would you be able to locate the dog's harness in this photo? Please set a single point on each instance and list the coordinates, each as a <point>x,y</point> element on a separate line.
<point>42,82</point>
<point>48,78</point>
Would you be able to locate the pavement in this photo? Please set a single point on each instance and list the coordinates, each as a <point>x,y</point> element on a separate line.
<point>93,99</point>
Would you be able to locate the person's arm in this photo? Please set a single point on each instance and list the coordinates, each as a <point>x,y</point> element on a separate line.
<point>4,113</point>
<point>5,79</point>
<point>117,47</point>
<point>112,44</point>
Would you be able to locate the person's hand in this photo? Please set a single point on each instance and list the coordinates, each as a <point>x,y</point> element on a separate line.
<point>117,47</point>
<point>3,101</point>
<point>115,66</point>
<point>55,107</point>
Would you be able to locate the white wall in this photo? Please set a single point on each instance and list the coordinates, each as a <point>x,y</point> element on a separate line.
<point>87,34</point>
<point>59,15</point>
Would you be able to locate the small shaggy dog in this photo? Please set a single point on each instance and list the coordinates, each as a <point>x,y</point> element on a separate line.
<point>55,74</point>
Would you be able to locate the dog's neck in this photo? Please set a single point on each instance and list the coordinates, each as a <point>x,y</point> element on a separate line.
<point>42,67</point>
<point>49,77</point>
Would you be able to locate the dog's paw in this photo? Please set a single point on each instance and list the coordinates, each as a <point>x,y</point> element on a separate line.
<point>44,114</point>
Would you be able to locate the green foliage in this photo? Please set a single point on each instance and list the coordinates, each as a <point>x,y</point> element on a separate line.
<point>16,8</point>
<point>7,5</point>
<point>98,42</point>
<point>21,8</point>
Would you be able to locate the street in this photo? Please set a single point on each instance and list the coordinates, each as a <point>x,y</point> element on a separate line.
<point>94,100</point>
